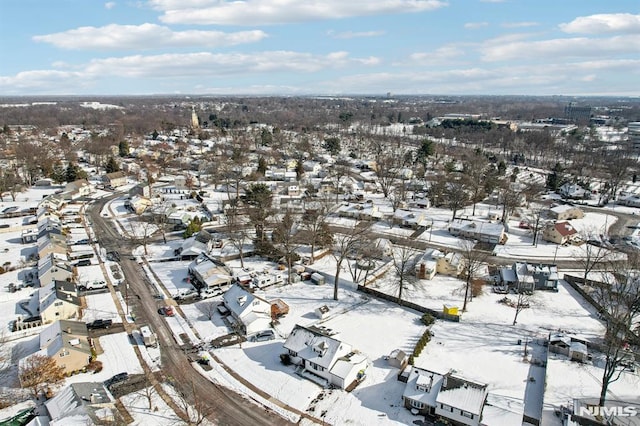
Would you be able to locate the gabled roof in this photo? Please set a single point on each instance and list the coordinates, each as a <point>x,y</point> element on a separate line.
<point>461,393</point>
<point>244,304</point>
<point>77,398</point>
<point>316,346</point>
<point>565,229</point>
<point>65,334</point>
<point>423,385</point>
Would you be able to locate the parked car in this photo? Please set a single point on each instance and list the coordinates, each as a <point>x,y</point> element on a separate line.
<point>118,378</point>
<point>186,294</point>
<point>167,311</point>
<point>263,336</point>
<point>99,323</point>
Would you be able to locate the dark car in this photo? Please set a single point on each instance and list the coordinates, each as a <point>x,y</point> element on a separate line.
<point>118,378</point>
<point>99,323</point>
<point>263,336</point>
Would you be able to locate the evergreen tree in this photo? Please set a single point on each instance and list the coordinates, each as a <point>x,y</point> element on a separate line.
<point>262,166</point>
<point>123,148</point>
<point>112,165</point>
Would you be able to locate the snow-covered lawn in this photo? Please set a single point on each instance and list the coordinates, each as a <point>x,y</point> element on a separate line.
<point>118,356</point>
<point>137,404</point>
<point>100,306</point>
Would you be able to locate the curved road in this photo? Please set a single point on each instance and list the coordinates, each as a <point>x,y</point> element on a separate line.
<point>223,406</point>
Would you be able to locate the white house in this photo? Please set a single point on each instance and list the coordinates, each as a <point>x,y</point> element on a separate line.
<point>448,396</point>
<point>249,313</point>
<point>330,361</point>
<point>487,232</point>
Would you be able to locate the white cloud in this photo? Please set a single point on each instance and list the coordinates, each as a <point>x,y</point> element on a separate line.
<point>519,24</point>
<point>604,23</point>
<point>224,64</point>
<point>264,12</point>
<point>442,55</point>
<point>475,25</point>
<point>110,5</point>
<point>356,34</point>
<point>562,48</point>
<point>145,36</point>
<point>577,78</point>
<point>44,82</point>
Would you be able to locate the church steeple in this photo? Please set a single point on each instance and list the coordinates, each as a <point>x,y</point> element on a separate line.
<point>195,123</point>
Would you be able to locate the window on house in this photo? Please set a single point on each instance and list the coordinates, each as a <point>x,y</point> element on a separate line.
<point>467,414</point>
<point>416,404</point>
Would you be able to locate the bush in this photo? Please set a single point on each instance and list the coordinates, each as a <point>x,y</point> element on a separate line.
<point>285,359</point>
<point>422,342</point>
<point>427,319</point>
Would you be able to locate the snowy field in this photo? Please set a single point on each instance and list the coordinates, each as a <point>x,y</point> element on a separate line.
<point>100,306</point>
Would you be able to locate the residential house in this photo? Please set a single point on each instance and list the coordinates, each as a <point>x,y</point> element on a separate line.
<point>193,247</point>
<point>84,403</point>
<point>363,211</point>
<point>137,204</point>
<point>142,190</point>
<point>57,300</point>
<point>573,191</point>
<point>560,233</point>
<point>434,261</point>
<point>487,232</point>
<point>249,314</point>
<point>54,267</point>
<point>565,212</point>
<point>574,348</point>
<point>206,272</point>
<point>53,202</point>
<point>67,342</point>
<point>115,179</point>
<point>527,277</point>
<point>629,200</point>
<point>77,189</point>
<point>324,358</point>
<point>29,236</point>
<point>52,243</point>
<point>411,219</point>
<point>49,225</point>
<point>447,396</point>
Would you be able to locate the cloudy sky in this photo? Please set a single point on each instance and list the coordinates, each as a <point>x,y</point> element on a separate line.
<point>289,47</point>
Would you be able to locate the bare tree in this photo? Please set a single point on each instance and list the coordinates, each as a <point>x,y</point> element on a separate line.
<point>475,171</point>
<point>534,219</point>
<point>196,409</point>
<point>315,228</point>
<point>473,261</point>
<point>364,254</point>
<point>142,232</point>
<point>590,255</point>
<point>455,193</point>
<point>287,239</point>
<point>235,229</point>
<point>208,308</point>
<point>619,298</point>
<point>523,301</point>
<point>344,246</point>
<point>39,373</point>
<point>403,263</point>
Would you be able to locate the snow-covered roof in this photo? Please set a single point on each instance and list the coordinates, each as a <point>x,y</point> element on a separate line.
<point>462,394</point>
<point>423,385</point>
<point>245,305</point>
<point>315,346</point>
